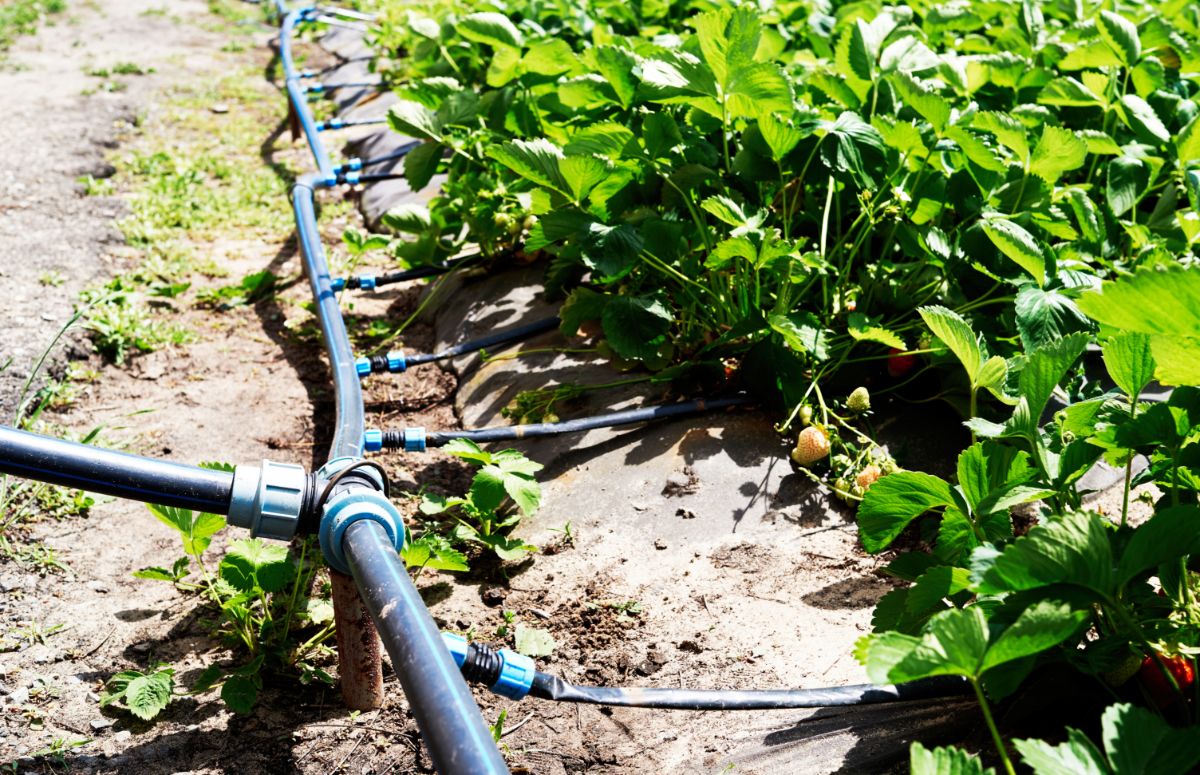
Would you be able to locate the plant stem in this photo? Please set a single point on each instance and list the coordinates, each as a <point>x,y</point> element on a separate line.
<point>991,725</point>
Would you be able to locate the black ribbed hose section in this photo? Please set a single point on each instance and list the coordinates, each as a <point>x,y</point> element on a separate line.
<point>549,687</point>
<point>482,665</point>
<point>105,471</point>
<point>395,439</point>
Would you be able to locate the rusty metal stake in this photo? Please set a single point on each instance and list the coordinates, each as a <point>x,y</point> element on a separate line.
<point>358,645</point>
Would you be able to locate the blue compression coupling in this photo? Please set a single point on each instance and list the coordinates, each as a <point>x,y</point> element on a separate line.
<point>414,439</point>
<point>338,284</point>
<point>366,282</point>
<point>346,508</point>
<point>362,365</point>
<point>396,361</point>
<point>515,674</point>
<point>351,178</point>
<point>372,440</point>
<point>315,88</point>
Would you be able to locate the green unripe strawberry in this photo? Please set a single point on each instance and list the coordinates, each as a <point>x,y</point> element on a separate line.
<point>1124,670</point>
<point>859,400</point>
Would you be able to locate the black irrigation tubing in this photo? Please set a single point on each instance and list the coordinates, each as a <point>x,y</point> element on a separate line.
<point>369,282</point>
<point>396,361</point>
<point>355,164</point>
<point>418,439</point>
<point>347,123</point>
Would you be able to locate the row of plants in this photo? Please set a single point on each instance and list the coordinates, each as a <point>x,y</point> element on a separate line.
<point>994,204</point>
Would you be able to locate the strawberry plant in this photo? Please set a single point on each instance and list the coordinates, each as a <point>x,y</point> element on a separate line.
<point>1077,588</point>
<point>270,607</point>
<point>502,492</point>
<point>783,188</point>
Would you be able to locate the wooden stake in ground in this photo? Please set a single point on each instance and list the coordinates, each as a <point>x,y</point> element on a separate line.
<point>358,646</point>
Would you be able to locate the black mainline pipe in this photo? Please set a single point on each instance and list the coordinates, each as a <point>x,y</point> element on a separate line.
<point>108,472</point>
<point>450,722</point>
<point>348,434</point>
<point>443,707</point>
<point>550,687</point>
<point>395,439</point>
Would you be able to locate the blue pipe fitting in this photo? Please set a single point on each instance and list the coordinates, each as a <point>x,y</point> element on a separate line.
<point>457,646</point>
<point>315,88</point>
<point>351,178</point>
<point>362,365</point>
<point>414,439</point>
<point>366,282</point>
<point>516,670</point>
<point>395,359</point>
<point>344,510</point>
<point>516,675</point>
<point>372,440</point>
<point>338,284</point>
<point>268,500</point>
<point>354,165</point>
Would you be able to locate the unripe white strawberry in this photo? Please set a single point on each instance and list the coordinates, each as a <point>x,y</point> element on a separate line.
<point>811,445</point>
<point>868,476</point>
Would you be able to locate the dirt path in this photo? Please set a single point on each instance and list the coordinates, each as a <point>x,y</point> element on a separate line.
<point>60,122</point>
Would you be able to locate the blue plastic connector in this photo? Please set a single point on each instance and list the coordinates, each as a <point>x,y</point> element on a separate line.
<point>414,439</point>
<point>457,646</point>
<point>362,365</point>
<point>372,440</point>
<point>354,165</point>
<point>516,670</point>
<point>351,178</point>
<point>338,284</point>
<point>315,88</point>
<point>344,509</point>
<point>366,282</point>
<point>516,675</point>
<point>396,361</point>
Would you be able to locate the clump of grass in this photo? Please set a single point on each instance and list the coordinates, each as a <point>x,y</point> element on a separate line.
<point>22,17</point>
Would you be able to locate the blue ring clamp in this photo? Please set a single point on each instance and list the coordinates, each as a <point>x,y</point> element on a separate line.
<point>366,282</point>
<point>395,358</point>
<point>372,440</point>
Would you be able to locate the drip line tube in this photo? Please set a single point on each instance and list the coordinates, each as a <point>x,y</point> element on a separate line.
<point>370,282</point>
<point>345,13</point>
<point>396,361</point>
<point>318,88</point>
<point>549,687</point>
<point>418,439</point>
<point>346,123</point>
<point>356,164</point>
<point>108,472</point>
